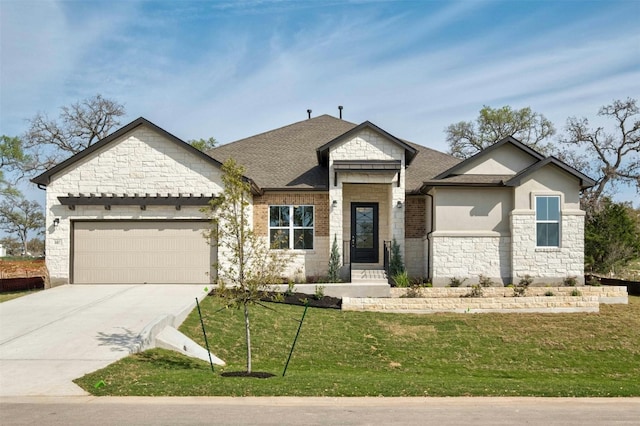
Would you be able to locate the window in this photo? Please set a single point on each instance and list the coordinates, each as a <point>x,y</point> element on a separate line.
<point>548,221</point>
<point>291,227</point>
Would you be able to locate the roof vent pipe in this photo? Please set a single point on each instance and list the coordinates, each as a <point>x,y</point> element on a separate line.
<point>340,109</point>
<point>309,112</point>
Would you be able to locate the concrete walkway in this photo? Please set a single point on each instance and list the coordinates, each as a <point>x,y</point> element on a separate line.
<point>49,338</point>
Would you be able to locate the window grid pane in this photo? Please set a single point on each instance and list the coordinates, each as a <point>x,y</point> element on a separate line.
<point>291,227</point>
<point>548,221</point>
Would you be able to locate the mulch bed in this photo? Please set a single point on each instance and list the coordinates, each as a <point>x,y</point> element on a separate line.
<point>301,299</point>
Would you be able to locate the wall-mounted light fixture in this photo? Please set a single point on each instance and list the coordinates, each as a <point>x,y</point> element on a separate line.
<point>56,222</point>
<point>399,205</point>
<point>335,203</point>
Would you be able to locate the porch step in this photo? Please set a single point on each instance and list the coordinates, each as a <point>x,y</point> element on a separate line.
<point>369,276</point>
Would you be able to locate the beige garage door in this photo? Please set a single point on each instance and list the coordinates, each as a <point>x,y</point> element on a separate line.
<point>133,252</point>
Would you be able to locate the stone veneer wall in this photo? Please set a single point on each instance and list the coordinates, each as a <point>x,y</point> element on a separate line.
<point>366,145</point>
<point>547,264</point>
<point>605,294</point>
<point>304,263</point>
<point>469,256</point>
<point>141,162</point>
<point>554,304</point>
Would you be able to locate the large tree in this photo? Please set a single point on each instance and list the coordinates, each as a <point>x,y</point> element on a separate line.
<point>249,265</point>
<point>12,162</point>
<point>608,157</point>
<point>20,216</point>
<point>612,237</point>
<point>467,138</point>
<point>79,126</point>
<point>202,144</point>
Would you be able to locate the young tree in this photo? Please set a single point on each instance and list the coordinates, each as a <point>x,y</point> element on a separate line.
<point>334,262</point>
<point>247,266</point>
<point>609,158</point>
<point>467,138</point>
<point>20,216</point>
<point>79,126</point>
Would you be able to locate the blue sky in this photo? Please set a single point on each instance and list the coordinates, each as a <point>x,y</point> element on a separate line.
<point>231,69</point>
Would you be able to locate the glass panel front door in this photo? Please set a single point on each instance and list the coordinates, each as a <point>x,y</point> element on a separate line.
<point>364,232</point>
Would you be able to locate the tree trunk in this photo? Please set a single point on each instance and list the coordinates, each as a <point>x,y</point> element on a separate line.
<point>246,325</point>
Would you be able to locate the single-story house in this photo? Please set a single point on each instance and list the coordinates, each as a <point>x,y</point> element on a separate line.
<point>128,208</point>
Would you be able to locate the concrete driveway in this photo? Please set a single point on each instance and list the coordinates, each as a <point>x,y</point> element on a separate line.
<point>49,338</point>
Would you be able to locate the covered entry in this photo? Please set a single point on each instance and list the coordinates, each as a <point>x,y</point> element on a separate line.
<point>144,251</point>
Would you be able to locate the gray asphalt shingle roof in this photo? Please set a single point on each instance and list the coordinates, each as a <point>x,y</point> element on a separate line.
<point>285,158</point>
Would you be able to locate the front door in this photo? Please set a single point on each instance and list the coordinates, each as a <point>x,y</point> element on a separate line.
<point>364,232</point>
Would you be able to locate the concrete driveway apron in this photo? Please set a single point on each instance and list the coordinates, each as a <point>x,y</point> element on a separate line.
<point>49,338</point>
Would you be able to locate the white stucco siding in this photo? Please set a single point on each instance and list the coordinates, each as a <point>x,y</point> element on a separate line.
<point>141,162</point>
<point>548,180</point>
<point>473,209</point>
<point>504,160</point>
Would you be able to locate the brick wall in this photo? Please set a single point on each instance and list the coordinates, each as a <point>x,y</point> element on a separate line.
<point>319,200</point>
<point>415,217</point>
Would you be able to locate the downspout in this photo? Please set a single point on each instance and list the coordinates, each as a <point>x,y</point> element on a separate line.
<point>430,257</point>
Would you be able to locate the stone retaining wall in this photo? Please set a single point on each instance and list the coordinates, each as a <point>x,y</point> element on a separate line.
<point>538,304</point>
<point>605,294</point>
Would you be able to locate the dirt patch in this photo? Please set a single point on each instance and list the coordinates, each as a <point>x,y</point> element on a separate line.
<point>254,374</point>
<point>28,271</point>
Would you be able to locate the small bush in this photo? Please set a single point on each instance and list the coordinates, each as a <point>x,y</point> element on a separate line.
<point>412,292</point>
<point>526,281</point>
<point>549,293</point>
<point>576,292</point>
<point>291,288</point>
<point>520,290</point>
<point>396,265</point>
<point>570,282</point>
<point>476,291</point>
<point>428,285</point>
<point>401,279</point>
<point>594,281</point>
<point>456,282</point>
<point>485,281</point>
<point>319,294</point>
<point>277,297</point>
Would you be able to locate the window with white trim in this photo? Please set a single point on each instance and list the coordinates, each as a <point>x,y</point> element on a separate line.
<point>291,227</point>
<point>547,221</point>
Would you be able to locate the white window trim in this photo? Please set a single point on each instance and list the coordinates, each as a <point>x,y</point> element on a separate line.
<point>534,197</point>
<point>291,228</point>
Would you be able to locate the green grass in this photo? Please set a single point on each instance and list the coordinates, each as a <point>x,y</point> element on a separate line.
<point>370,354</point>
<point>14,294</point>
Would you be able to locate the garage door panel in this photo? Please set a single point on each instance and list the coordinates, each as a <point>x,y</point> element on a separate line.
<point>122,252</point>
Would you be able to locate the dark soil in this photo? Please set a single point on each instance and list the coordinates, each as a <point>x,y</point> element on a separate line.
<point>301,299</point>
<point>254,374</point>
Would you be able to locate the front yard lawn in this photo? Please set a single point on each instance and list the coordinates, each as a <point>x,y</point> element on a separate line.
<point>371,354</point>
<point>14,294</point>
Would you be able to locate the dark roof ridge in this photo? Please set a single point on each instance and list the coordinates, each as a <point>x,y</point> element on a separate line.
<point>281,128</point>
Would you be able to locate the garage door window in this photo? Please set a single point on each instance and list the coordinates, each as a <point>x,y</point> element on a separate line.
<point>291,227</point>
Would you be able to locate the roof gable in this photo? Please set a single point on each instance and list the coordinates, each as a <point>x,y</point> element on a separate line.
<point>45,178</point>
<point>323,151</point>
<point>509,140</point>
<point>585,181</point>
